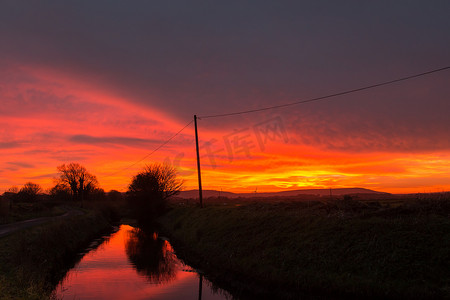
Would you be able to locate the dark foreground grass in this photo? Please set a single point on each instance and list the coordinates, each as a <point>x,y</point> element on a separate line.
<point>33,261</point>
<point>29,210</point>
<point>347,250</point>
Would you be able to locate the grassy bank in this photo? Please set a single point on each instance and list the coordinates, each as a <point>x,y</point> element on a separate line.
<point>32,261</point>
<point>343,249</point>
<point>29,210</point>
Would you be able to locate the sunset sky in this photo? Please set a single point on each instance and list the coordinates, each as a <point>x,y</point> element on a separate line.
<point>104,83</point>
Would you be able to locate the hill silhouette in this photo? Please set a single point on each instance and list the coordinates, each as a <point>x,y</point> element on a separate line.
<point>315,192</point>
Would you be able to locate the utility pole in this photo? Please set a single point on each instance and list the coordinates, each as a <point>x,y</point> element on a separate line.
<point>198,164</point>
<point>200,289</point>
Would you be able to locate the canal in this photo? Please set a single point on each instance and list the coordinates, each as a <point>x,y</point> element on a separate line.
<point>133,264</point>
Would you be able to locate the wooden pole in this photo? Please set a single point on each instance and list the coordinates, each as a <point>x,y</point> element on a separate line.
<point>198,164</point>
<point>200,286</point>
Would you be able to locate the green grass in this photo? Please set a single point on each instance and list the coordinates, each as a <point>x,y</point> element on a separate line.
<point>32,261</point>
<point>346,249</point>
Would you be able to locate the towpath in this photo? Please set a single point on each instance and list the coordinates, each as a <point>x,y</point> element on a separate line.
<point>12,227</point>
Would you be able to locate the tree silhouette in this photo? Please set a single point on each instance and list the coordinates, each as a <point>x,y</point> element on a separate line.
<point>150,189</point>
<point>12,190</point>
<point>78,179</point>
<point>29,191</point>
<point>60,191</point>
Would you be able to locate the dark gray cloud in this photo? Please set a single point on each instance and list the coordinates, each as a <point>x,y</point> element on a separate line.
<point>20,164</point>
<point>44,176</point>
<point>65,156</point>
<point>111,140</point>
<point>15,166</point>
<point>10,145</point>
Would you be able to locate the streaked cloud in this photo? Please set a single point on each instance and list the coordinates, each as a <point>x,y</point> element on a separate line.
<point>9,145</point>
<point>20,164</point>
<point>112,140</point>
<point>104,85</point>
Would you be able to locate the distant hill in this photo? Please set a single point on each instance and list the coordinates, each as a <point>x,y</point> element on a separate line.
<point>316,192</point>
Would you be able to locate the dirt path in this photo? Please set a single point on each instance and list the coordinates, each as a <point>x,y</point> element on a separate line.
<point>12,227</point>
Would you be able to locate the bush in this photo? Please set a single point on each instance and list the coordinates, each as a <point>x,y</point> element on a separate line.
<point>29,192</point>
<point>149,190</point>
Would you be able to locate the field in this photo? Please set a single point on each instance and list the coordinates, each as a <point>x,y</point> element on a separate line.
<point>336,248</point>
<point>29,210</point>
<point>371,246</point>
<point>381,199</point>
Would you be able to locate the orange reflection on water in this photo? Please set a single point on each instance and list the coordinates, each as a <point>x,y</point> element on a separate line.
<point>128,266</point>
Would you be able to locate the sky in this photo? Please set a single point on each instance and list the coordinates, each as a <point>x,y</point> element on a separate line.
<point>105,83</point>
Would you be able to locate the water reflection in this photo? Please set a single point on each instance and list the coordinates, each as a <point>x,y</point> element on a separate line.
<point>133,264</point>
<point>153,257</point>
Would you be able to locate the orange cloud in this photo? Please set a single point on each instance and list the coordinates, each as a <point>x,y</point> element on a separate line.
<point>50,118</point>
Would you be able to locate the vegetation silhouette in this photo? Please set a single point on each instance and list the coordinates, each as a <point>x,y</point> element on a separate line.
<point>114,195</point>
<point>152,257</point>
<point>9,196</point>
<point>149,191</point>
<point>76,178</point>
<point>60,192</point>
<point>29,192</point>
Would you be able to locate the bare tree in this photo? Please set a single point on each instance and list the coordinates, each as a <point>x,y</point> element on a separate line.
<point>78,179</point>
<point>31,188</point>
<point>29,191</point>
<point>60,191</point>
<point>156,180</point>
<point>150,189</point>
<point>13,190</point>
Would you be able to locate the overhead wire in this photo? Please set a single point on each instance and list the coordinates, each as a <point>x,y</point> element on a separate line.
<point>282,106</point>
<point>327,96</point>
<point>151,153</point>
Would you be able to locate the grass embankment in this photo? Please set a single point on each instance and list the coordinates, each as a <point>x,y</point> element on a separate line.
<point>26,210</point>
<point>344,249</point>
<point>32,261</point>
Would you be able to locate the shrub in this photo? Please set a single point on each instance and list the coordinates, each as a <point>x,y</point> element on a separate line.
<point>149,190</point>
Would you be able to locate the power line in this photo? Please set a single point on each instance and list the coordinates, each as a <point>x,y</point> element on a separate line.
<point>327,96</point>
<point>154,150</point>
<point>282,106</point>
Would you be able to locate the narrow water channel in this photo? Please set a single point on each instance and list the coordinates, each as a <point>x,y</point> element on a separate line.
<point>132,264</point>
